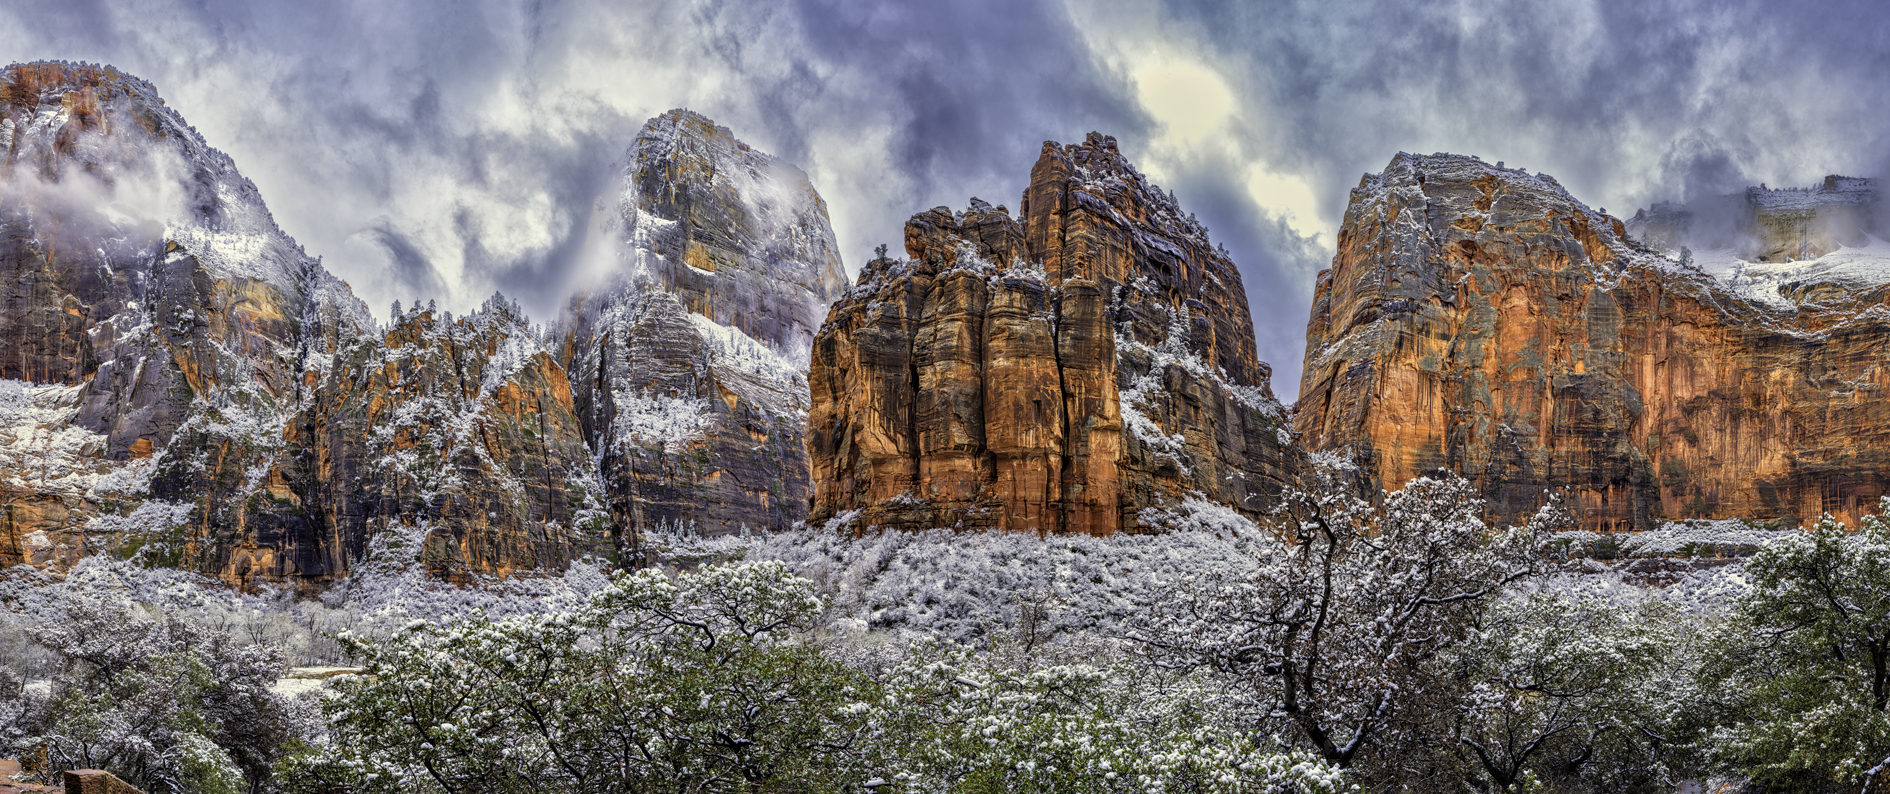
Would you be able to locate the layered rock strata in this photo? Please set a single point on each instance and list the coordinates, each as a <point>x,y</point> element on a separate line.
<point>463,426</point>
<point>1479,319</point>
<point>689,359</point>
<point>1062,372</point>
<point>152,309</point>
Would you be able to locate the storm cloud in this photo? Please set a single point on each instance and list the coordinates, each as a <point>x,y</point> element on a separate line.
<point>441,150</point>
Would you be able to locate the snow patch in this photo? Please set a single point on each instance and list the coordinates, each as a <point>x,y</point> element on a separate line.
<point>653,420</point>
<point>1850,267</point>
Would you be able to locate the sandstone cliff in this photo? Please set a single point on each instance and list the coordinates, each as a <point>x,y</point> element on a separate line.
<point>689,359</point>
<point>179,380</point>
<point>465,427</point>
<point>148,291</point>
<point>1061,372</point>
<point>1480,319</point>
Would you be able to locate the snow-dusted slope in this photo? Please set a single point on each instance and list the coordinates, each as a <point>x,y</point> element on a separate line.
<point>1785,285</point>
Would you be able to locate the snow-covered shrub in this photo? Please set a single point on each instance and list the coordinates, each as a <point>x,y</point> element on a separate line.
<point>1799,690</point>
<point>1330,626</point>
<point>1576,693</point>
<point>967,585</point>
<point>954,721</point>
<point>695,684</point>
<point>165,703</point>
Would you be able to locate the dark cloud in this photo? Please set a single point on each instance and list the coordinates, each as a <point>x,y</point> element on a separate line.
<point>1698,166</point>
<point>1593,91</point>
<point>411,272</point>
<point>460,146</point>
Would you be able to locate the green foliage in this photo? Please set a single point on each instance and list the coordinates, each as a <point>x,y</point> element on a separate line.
<point>1804,667</point>
<point>163,703</point>
<point>710,683</point>
<point>1570,692</point>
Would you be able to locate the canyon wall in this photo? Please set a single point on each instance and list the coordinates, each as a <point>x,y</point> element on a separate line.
<point>180,381</point>
<point>1479,319</point>
<point>1059,372</point>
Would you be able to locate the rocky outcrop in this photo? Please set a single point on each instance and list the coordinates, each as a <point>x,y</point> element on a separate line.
<point>1058,373</point>
<point>1480,319</point>
<point>689,360</point>
<point>463,426</point>
<point>182,382</point>
<point>150,301</point>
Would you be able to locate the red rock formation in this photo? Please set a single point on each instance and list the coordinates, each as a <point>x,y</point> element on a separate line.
<point>1481,320</point>
<point>464,425</point>
<point>1058,375</point>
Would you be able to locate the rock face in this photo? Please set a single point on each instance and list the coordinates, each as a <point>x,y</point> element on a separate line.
<point>1481,320</point>
<point>179,380</point>
<point>689,361</point>
<point>1061,373</point>
<point>463,426</point>
<point>152,307</point>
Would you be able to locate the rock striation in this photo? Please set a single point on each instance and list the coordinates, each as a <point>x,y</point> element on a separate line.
<point>689,358</point>
<point>1479,319</point>
<point>1062,371</point>
<point>462,426</point>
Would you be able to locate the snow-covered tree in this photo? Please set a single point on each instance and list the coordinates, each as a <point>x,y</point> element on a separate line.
<point>1569,691</point>
<point>159,700</point>
<point>692,685</point>
<point>1334,631</point>
<point>955,721</point>
<point>1802,680</point>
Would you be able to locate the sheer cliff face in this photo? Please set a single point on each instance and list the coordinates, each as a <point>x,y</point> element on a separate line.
<point>1481,320</point>
<point>1055,375</point>
<point>689,361</point>
<point>179,380</point>
<point>463,426</point>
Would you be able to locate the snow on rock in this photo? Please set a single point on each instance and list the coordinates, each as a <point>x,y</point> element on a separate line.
<point>965,585</point>
<point>689,352</point>
<point>1783,286</point>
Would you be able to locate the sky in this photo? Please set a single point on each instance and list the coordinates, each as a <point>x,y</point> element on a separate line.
<point>443,150</point>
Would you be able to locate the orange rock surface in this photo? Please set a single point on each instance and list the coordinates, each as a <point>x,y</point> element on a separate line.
<point>1061,374</point>
<point>1481,320</point>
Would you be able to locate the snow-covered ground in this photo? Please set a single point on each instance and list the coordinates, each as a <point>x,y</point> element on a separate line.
<point>302,680</point>
<point>1851,267</point>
